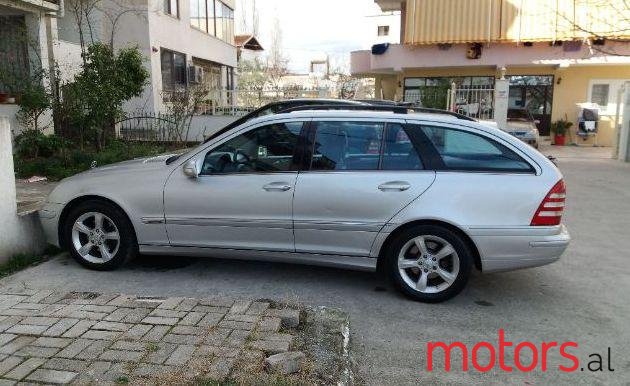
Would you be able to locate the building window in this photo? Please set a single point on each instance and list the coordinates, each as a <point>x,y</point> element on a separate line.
<point>14,62</point>
<point>224,17</point>
<point>173,70</point>
<point>383,30</point>
<point>171,7</point>
<point>599,94</point>
<point>199,14</point>
<point>213,17</point>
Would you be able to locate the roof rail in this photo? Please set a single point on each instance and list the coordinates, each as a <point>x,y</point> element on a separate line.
<point>393,109</point>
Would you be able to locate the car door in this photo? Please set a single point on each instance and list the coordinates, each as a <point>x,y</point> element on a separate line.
<point>242,198</point>
<point>361,174</point>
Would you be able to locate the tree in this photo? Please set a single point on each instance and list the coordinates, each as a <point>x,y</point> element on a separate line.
<point>106,81</point>
<point>82,11</point>
<point>252,79</point>
<point>183,105</point>
<point>276,61</point>
<point>249,22</point>
<point>34,100</point>
<point>615,27</point>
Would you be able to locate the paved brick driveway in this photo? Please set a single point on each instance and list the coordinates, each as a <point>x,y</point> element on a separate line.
<point>83,337</point>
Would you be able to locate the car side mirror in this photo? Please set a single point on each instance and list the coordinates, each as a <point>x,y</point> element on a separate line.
<point>190,169</point>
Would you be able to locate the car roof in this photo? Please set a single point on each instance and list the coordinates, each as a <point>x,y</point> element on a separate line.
<point>377,115</point>
<point>358,114</point>
<point>319,100</point>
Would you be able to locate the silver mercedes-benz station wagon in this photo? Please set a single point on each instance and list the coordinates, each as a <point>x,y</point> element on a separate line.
<point>423,197</point>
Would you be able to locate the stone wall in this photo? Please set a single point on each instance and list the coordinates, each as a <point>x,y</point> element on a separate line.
<point>18,234</point>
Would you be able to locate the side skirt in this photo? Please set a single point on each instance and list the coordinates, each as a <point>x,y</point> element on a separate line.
<point>348,262</point>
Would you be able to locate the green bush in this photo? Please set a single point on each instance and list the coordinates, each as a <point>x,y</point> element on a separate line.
<point>68,160</point>
<point>560,127</point>
<point>33,144</point>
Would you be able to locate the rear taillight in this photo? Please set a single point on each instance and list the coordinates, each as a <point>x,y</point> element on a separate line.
<point>551,208</point>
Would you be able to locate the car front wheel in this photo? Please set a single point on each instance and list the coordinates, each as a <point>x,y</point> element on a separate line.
<point>99,236</point>
<point>429,263</point>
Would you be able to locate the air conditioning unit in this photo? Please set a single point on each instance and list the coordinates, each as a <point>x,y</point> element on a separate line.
<point>195,74</point>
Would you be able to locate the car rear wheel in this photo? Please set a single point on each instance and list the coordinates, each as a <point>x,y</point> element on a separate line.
<point>429,263</point>
<point>99,236</point>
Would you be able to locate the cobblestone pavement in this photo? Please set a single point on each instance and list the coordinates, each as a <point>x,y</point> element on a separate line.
<point>90,338</point>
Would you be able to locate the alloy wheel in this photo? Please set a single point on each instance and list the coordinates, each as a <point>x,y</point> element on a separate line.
<point>428,264</point>
<point>95,237</point>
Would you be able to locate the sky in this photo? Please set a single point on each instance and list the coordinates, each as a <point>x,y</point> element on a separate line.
<point>312,28</point>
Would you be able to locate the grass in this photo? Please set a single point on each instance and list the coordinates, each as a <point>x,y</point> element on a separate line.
<point>21,261</point>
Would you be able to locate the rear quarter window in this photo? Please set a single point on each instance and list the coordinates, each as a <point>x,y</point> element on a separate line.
<point>463,150</point>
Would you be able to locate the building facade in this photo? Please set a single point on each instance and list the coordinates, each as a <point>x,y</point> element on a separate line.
<point>184,42</point>
<point>554,54</point>
<point>25,47</point>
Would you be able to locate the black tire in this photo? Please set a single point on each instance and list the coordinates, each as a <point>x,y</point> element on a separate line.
<point>128,246</point>
<point>462,249</point>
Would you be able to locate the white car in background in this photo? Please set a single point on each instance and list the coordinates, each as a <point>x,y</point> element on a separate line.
<point>520,124</point>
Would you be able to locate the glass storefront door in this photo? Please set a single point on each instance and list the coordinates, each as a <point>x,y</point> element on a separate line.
<point>534,93</point>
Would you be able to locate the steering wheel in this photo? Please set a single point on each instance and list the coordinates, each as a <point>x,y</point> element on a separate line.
<point>240,157</point>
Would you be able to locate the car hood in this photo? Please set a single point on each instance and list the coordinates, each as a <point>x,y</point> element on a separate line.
<point>136,164</point>
<point>110,180</point>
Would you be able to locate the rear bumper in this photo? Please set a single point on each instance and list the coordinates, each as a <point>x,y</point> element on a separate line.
<point>49,217</point>
<point>507,249</point>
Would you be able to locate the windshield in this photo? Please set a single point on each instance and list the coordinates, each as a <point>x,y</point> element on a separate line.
<point>519,114</point>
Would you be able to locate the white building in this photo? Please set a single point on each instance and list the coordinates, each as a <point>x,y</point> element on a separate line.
<point>25,46</point>
<point>183,41</point>
<point>383,27</point>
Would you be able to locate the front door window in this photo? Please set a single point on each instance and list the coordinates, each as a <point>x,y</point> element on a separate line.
<point>265,149</point>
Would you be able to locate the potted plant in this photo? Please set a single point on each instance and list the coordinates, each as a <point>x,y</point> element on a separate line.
<point>559,129</point>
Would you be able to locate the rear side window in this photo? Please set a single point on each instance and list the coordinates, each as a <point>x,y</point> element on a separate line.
<point>399,153</point>
<point>347,146</point>
<point>363,146</point>
<point>462,150</point>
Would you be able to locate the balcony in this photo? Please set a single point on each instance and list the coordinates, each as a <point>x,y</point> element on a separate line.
<point>399,57</point>
<point>30,5</point>
<point>389,5</point>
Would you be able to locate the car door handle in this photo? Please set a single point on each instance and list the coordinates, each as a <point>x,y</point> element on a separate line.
<point>394,185</point>
<point>277,186</point>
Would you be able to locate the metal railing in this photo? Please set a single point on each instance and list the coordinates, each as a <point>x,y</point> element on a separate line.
<point>475,102</point>
<point>148,127</point>
<point>241,102</point>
